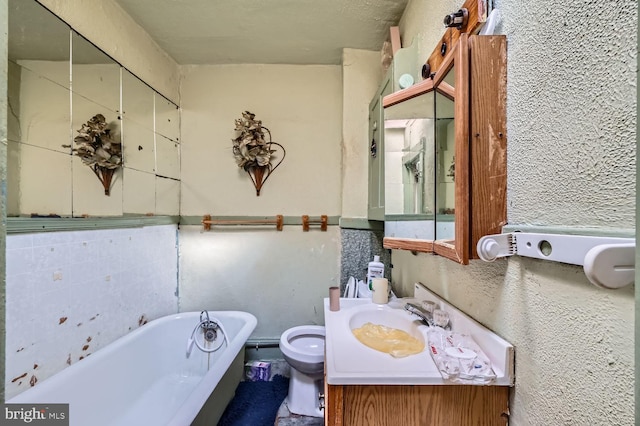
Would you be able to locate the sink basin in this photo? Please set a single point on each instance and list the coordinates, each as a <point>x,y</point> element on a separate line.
<point>348,361</point>
<point>392,318</point>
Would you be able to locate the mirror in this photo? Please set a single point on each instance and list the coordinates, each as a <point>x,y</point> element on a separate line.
<point>423,162</point>
<point>445,168</point>
<point>39,103</point>
<point>95,82</point>
<point>409,168</point>
<point>57,82</point>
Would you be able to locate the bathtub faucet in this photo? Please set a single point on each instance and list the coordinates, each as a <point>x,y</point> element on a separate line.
<point>209,327</point>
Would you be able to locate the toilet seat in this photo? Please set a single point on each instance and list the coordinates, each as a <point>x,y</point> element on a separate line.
<point>304,343</point>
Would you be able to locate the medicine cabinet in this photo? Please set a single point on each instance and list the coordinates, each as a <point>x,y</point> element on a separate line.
<point>57,81</point>
<point>445,153</point>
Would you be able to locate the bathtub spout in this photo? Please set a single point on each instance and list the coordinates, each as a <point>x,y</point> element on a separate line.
<point>210,327</point>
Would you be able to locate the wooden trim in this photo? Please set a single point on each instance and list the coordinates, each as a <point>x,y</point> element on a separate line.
<point>445,66</point>
<point>446,248</point>
<point>488,130</point>
<point>394,36</point>
<point>447,90</point>
<point>334,405</point>
<point>423,246</point>
<point>462,151</point>
<point>477,15</point>
<point>417,89</point>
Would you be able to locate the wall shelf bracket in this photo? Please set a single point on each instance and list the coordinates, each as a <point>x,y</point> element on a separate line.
<point>322,221</point>
<point>609,262</point>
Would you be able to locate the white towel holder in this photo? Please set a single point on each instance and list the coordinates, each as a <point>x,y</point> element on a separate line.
<point>609,262</point>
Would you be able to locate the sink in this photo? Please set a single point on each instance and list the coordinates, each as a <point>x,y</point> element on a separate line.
<point>348,361</point>
<point>379,315</point>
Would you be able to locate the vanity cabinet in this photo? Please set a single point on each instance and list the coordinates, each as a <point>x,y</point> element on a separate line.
<point>407,405</point>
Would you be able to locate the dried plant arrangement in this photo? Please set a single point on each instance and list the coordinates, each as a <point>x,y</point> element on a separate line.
<point>99,150</point>
<point>254,150</point>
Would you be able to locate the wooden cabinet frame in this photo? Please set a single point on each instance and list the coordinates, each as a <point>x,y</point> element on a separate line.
<point>479,93</point>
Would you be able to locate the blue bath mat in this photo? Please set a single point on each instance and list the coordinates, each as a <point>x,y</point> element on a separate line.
<point>256,403</point>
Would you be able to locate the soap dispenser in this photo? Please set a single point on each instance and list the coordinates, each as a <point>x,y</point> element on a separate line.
<point>375,270</point>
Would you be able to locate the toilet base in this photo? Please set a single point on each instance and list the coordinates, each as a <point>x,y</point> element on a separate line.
<point>304,391</point>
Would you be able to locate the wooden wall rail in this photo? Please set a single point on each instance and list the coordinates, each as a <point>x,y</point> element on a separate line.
<point>278,221</point>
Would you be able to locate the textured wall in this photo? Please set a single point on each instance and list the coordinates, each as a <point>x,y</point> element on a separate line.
<point>571,117</point>
<point>571,112</point>
<point>361,74</point>
<point>300,105</point>
<point>95,286</point>
<point>281,277</point>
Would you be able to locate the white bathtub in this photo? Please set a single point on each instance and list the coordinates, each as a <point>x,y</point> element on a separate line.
<point>145,377</point>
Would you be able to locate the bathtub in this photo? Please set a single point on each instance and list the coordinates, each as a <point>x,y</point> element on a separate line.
<point>145,377</point>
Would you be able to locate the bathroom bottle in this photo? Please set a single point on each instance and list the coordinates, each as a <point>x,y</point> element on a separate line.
<point>375,270</point>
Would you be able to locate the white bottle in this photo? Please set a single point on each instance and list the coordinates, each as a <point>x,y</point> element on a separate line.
<point>375,270</point>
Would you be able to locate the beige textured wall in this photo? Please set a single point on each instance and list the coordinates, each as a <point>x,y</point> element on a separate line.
<point>301,106</point>
<point>361,74</point>
<point>571,119</point>
<point>112,30</point>
<point>281,277</point>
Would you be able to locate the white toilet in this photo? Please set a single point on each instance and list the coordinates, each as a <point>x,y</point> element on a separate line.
<point>303,349</point>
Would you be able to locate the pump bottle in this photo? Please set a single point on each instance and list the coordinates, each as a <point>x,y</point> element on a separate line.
<point>375,270</point>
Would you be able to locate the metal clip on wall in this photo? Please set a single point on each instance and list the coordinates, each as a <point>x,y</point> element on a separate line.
<point>608,262</point>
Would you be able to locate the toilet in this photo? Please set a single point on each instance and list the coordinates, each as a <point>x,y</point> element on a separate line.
<point>303,348</point>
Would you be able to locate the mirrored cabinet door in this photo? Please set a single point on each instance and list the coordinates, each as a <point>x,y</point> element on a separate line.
<point>445,168</point>
<point>409,174</point>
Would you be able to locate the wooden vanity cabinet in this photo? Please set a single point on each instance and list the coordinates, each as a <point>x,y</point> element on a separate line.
<point>408,405</point>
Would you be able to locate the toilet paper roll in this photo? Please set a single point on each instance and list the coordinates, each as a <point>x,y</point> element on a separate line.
<point>380,290</point>
<point>334,299</point>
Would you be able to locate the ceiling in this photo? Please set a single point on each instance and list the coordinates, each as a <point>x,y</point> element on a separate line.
<point>264,31</point>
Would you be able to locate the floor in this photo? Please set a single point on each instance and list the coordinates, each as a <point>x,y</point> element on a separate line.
<point>285,417</point>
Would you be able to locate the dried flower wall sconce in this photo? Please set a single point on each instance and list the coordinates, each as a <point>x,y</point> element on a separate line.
<point>253,152</point>
<point>97,148</point>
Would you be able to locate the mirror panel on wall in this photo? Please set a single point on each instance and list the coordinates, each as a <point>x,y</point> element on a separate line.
<point>167,118</point>
<point>445,168</point>
<point>58,81</point>
<point>139,139</point>
<point>409,168</point>
<point>39,104</point>
<point>95,84</point>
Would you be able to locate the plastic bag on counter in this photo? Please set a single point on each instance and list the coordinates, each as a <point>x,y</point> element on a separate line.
<point>459,358</point>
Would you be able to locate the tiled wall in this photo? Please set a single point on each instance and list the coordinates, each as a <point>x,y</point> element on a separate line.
<point>71,293</point>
